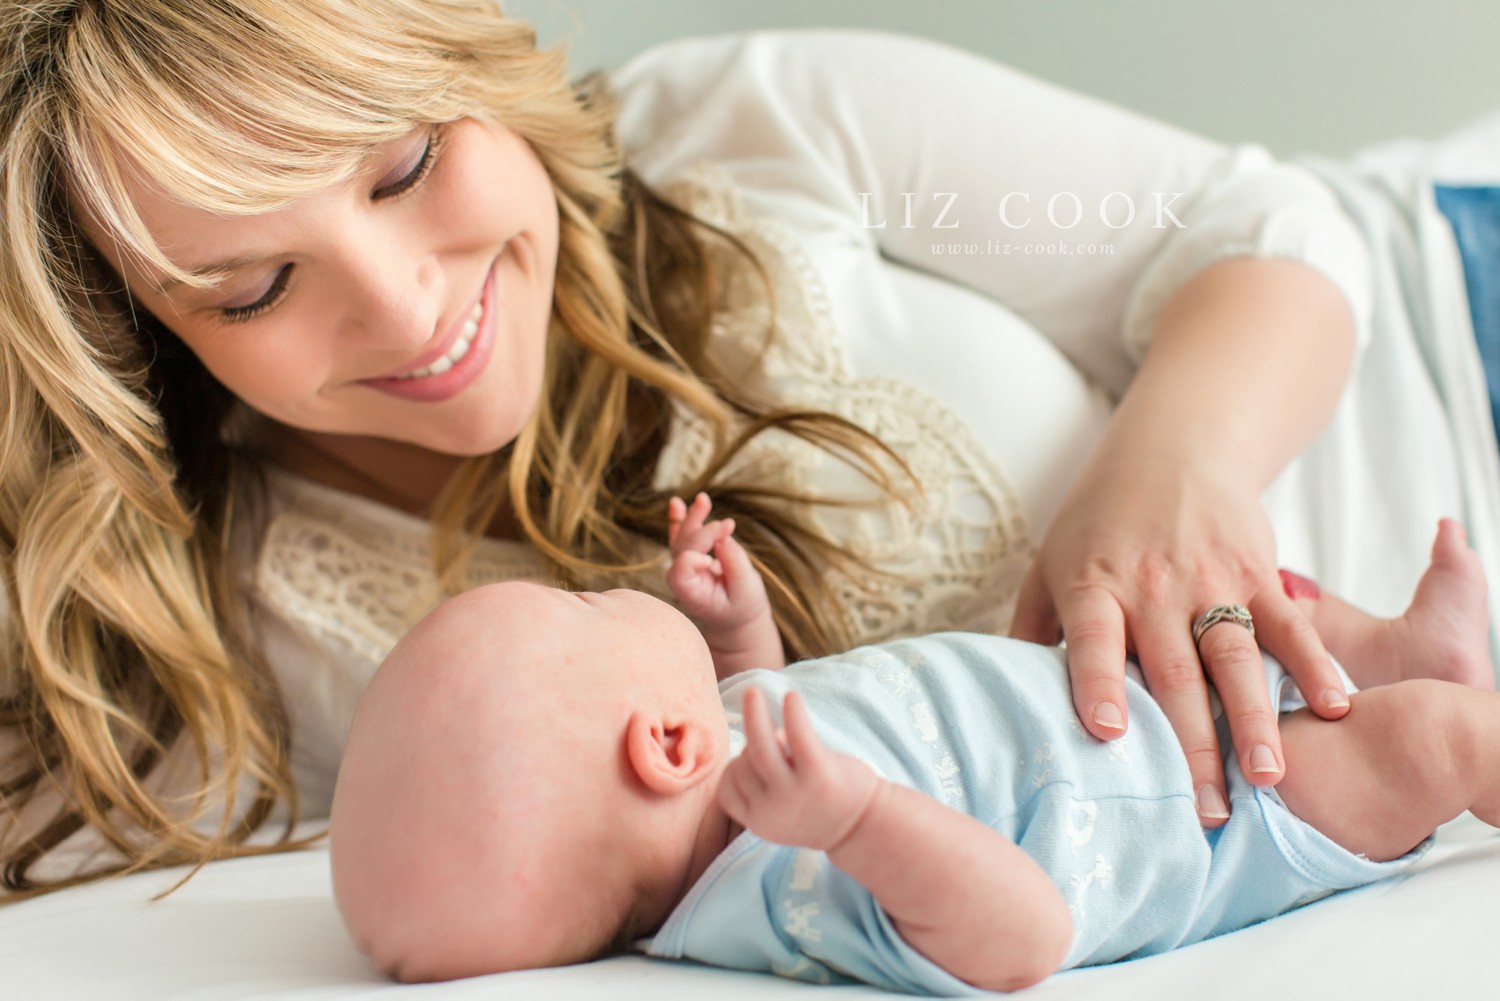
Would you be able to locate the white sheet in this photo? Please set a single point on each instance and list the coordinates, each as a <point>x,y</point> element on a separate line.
<point>267,928</point>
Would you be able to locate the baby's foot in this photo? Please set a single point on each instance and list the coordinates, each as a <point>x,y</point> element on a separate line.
<point>1445,633</point>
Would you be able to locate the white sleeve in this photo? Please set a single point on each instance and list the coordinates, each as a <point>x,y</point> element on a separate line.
<point>837,125</point>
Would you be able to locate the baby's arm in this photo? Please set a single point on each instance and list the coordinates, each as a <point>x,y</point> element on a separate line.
<point>960,893</point>
<point>717,587</point>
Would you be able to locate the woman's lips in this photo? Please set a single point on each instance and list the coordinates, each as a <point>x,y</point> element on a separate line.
<point>434,388</point>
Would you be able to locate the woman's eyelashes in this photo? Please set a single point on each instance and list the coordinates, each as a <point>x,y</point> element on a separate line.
<point>418,173</point>
<point>239,314</point>
<point>408,182</point>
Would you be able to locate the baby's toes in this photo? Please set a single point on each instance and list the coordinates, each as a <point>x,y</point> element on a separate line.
<point>1451,552</point>
<point>1449,619</point>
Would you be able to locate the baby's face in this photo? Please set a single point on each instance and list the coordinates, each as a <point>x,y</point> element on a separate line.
<point>498,725</point>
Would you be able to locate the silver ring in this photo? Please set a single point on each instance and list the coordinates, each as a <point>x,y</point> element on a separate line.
<point>1238,614</point>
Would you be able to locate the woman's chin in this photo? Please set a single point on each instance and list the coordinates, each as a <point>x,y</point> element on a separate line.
<point>483,441</point>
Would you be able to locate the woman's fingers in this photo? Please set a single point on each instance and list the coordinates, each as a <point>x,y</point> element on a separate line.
<point>1286,634</point>
<point>1232,661</point>
<point>1174,676</point>
<point>1035,618</point>
<point>1094,627</point>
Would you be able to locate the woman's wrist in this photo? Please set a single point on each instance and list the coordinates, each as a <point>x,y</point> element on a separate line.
<point>1153,459</point>
<point>1246,366</point>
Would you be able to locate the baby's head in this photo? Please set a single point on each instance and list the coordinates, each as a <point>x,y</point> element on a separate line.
<point>528,780</point>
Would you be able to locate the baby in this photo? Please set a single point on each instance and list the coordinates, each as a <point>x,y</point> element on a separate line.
<point>537,777</point>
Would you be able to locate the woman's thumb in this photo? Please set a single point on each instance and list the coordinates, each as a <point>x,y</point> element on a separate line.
<point>1035,618</point>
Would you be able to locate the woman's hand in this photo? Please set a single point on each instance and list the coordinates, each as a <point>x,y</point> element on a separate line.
<point>1247,362</point>
<point>1131,562</point>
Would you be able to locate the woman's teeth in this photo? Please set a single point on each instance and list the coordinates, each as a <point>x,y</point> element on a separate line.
<point>459,349</point>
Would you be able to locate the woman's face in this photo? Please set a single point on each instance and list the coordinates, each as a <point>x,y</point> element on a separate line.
<point>437,258</point>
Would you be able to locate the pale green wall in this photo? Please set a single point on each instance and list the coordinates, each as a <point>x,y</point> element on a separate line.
<point>1322,76</point>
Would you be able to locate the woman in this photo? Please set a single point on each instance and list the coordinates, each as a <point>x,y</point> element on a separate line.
<point>315,312</point>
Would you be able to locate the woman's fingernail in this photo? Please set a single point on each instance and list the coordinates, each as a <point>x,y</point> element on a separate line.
<point>1262,761</point>
<point>1297,586</point>
<point>1334,699</point>
<point>1108,714</point>
<point>1211,803</point>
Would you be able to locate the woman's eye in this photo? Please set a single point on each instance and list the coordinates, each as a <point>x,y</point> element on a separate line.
<point>239,314</point>
<point>418,173</point>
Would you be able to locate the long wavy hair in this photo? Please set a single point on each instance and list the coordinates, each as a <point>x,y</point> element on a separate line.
<point>125,637</point>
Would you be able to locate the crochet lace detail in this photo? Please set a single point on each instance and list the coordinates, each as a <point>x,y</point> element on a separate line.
<point>351,570</point>
<point>330,563</point>
<point>965,544</point>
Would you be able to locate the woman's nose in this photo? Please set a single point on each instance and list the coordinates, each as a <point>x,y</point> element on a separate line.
<point>397,300</point>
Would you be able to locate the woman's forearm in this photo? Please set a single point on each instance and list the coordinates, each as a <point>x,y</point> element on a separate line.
<point>1248,360</point>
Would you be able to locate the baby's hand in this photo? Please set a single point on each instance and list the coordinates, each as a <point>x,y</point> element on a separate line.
<point>724,592</point>
<point>789,788</point>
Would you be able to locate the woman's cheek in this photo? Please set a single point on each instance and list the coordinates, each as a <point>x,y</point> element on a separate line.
<point>269,380</point>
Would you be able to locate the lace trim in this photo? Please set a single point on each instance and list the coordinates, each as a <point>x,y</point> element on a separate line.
<point>330,565</point>
<point>351,570</point>
<point>965,545</point>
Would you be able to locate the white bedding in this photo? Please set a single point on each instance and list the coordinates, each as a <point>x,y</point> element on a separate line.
<point>267,928</point>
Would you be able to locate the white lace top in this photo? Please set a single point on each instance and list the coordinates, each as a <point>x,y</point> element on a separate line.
<point>987,360</point>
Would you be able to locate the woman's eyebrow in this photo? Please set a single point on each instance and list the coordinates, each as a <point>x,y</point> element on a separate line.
<point>222,268</point>
<point>217,270</point>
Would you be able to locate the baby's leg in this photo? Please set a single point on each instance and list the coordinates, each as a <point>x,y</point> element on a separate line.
<point>1406,758</point>
<point>1444,634</point>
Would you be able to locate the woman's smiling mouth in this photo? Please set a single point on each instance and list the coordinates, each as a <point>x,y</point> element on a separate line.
<point>458,362</point>
<point>449,359</point>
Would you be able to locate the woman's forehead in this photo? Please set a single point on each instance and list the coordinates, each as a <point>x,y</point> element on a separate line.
<point>234,110</point>
<point>206,243</point>
<point>160,214</point>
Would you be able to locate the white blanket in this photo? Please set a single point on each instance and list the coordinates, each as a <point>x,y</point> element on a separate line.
<point>267,928</point>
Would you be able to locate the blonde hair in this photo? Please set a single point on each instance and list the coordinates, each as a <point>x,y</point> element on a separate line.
<point>126,630</point>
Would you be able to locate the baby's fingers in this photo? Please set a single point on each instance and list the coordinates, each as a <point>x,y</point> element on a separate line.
<point>802,738</point>
<point>686,575</point>
<point>688,518</point>
<point>683,519</point>
<point>739,789</point>
<point>676,512</point>
<point>704,538</point>
<point>738,569</point>
<point>762,748</point>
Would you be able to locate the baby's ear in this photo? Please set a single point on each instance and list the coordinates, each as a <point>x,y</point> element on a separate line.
<point>669,757</point>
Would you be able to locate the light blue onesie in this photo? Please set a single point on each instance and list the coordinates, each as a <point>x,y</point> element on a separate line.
<point>986,725</point>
